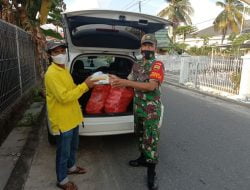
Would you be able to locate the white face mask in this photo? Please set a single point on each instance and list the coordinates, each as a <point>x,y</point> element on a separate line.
<point>60,59</point>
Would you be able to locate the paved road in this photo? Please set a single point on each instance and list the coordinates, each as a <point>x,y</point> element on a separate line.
<point>204,146</point>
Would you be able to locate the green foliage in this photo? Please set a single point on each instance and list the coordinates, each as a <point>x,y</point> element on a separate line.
<point>232,36</point>
<point>241,39</point>
<point>178,11</point>
<point>182,46</point>
<point>30,119</point>
<point>32,8</point>
<point>185,30</point>
<point>204,50</point>
<point>235,78</point>
<point>37,94</point>
<point>205,39</point>
<point>55,16</point>
<point>26,11</point>
<point>52,33</point>
<point>230,17</point>
<point>179,47</point>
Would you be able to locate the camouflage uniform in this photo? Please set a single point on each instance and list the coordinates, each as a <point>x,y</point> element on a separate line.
<point>147,110</point>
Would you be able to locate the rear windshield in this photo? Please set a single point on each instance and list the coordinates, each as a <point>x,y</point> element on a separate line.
<point>109,28</point>
<point>106,36</point>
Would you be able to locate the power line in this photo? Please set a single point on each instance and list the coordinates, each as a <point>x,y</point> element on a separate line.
<point>204,21</point>
<point>140,2</point>
<point>129,4</point>
<point>134,9</point>
<point>145,2</point>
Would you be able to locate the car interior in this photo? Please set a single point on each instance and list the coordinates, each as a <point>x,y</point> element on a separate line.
<point>84,66</point>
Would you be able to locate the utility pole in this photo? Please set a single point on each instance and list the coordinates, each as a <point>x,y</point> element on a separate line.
<point>242,19</point>
<point>140,6</point>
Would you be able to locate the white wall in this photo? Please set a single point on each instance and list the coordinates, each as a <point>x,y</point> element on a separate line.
<point>199,42</point>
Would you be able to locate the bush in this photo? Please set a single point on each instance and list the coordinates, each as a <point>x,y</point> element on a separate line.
<point>235,78</point>
<point>38,94</point>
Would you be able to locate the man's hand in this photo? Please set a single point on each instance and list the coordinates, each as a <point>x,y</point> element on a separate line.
<point>90,83</point>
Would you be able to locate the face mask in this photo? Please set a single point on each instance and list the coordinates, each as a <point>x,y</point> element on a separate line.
<point>148,54</point>
<point>60,59</point>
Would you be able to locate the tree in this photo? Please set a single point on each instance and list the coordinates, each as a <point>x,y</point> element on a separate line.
<point>185,30</point>
<point>230,18</point>
<point>178,11</point>
<point>204,50</point>
<point>206,39</point>
<point>232,36</point>
<point>180,47</point>
<point>55,16</point>
<point>24,14</point>
<point>238,41</point>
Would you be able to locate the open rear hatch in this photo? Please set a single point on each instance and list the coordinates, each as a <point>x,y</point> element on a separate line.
<point>116,31</point>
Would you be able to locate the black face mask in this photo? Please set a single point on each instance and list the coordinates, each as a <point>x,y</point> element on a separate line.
<point>147,54</point>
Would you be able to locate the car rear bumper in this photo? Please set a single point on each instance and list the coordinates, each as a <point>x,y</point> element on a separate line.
<point>94,126</point>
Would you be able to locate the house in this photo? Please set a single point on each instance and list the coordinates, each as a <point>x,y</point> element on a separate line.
<point>163,40</point>
<point>214,38</point>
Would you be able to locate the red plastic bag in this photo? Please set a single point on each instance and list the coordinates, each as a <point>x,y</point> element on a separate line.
<point>118,99</point>
<point>97,99</point>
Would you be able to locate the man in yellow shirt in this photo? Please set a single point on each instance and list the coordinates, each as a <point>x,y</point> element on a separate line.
<point>64,113</point>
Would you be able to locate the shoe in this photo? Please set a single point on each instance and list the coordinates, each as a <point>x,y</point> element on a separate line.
<point>79,170</point>
<point>67,186</point>
<point>152,182</point>
<point>152,179</point>
<point>141,161</point>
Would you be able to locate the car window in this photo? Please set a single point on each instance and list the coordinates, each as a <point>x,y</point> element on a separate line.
<point>87,65</point>
<point>94,62</point>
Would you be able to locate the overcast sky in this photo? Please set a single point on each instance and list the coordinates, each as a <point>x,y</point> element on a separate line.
<point>204,15</point>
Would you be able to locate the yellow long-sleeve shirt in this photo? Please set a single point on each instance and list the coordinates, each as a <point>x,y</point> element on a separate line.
<point>62,96</point>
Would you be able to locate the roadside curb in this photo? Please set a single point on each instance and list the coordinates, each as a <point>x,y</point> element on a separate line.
<point>21,169</point>
<point>209,94</point>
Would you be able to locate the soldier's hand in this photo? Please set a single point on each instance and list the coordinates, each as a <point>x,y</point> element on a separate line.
<point>112,78</point>
<point>119,82</point>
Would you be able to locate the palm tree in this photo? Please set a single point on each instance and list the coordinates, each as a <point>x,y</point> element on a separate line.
<point>206,39</point>
<point>230,18</point>
<point>178,11</point>
<point>185,30</point>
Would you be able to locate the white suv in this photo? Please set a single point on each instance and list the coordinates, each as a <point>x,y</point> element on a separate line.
<point>107,41</point>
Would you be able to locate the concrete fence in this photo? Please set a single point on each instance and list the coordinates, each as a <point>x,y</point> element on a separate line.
<point>231,75</point>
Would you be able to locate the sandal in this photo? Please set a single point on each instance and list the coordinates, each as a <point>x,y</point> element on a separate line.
<point>67,186</point>
<point>79,170</point>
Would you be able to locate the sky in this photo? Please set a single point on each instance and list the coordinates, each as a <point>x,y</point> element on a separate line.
<point>205,11</point>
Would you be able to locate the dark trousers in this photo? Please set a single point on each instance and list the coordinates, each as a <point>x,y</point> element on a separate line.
<point>67,145</point>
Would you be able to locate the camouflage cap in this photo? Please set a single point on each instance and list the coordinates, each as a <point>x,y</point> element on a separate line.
<point>149,38</point>
<point>52,44</point>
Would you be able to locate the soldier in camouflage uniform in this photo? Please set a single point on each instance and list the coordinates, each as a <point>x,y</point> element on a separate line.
<point>146,78</point>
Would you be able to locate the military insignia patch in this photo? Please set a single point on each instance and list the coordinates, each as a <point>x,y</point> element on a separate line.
<point>156,67</point>
<point>157,71</point>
